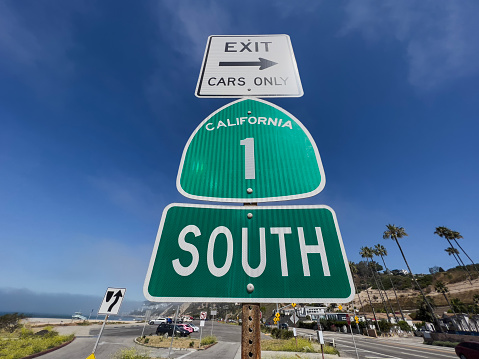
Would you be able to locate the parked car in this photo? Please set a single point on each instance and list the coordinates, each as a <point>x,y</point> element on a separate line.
<point>194,327</point>
<point>166,330</point>
<point>157,321</point>
<point>283,326</point>
<point>187,327</point>
<point>467,350</point>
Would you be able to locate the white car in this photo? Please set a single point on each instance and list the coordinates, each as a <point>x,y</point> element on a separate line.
<point>157,321</point>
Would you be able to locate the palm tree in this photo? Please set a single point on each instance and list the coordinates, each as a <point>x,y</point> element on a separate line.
<point>448,234</point>
<point>354,271</point>
<point>367,253</point>
<point>382,252</point>
<point>395,233</point>
<point>440,287</point>
<point>455,252</point>
<point>393,313</point>
<point>372,308</point>
<point>455,236</point>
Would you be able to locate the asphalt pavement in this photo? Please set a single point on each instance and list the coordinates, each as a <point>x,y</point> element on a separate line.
<point>116,337</point>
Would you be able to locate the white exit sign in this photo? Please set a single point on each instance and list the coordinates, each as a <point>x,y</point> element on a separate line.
<point>249,65</point>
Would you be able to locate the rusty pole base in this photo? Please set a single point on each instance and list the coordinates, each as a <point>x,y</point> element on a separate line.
<point>250,332</point>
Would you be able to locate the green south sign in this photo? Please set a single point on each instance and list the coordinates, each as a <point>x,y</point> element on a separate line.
<point>250,151</point>
<point>207,253</point>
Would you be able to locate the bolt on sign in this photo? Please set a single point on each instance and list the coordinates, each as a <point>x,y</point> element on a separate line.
<point>249,65</point>
<point>206,253</point>
<point>250,151</point>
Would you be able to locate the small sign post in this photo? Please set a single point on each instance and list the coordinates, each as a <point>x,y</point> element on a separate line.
<point>147,317</point>
<point>294,321</point>
<point>348,319</point>
<point>202,324</point>
<point>320,339</point>
<point>213,313</point>
<point>110,305</point>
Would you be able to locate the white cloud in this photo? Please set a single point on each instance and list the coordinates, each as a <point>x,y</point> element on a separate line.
<point>192,23</point>
<point>131,194</point>
<point>438,36</point>
<point>286,8</point>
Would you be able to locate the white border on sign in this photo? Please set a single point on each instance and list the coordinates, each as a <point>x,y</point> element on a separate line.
<point>293,61</point>
<point>123,291</point>
<point>246,300</point>
<point>249,200</point>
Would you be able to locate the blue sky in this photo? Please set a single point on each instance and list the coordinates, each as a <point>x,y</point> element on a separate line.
<point>97,102</point>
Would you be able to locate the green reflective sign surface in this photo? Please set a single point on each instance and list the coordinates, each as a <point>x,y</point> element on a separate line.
<point>250,151</point>
<point>211,253</point>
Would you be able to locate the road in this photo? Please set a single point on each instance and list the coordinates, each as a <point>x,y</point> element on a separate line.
<point>116,337</point>
<point>379,348</point>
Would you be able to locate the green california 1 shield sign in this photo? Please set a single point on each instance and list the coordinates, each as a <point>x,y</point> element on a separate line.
<point>208,253</point>
<point>250,151</point>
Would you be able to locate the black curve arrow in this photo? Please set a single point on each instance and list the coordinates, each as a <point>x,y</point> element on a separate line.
<point>262,63</point>
<point>117,297</point>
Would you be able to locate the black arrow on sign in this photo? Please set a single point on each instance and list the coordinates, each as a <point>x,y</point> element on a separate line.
<point>262,63</point>
<point>117,297</point>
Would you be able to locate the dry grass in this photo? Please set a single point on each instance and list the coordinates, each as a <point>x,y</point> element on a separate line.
<point>160,342</point>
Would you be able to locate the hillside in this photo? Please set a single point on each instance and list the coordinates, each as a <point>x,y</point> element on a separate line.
<point>455,280</point>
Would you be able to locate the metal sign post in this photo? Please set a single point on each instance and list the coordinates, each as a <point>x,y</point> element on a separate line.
<point>99,334</point>
<point>294,320</point>
<point>147,317</point>
<point>110,305</point>
<point>250,332</point>
<point>321,340</point>
<point>174,331</point>
<point>348,319</point>
<point>202,324</point>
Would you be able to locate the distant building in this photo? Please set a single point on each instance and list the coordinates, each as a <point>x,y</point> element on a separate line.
<point>399,272</point>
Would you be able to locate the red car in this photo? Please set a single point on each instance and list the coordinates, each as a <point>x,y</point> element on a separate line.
<point>467,350</point>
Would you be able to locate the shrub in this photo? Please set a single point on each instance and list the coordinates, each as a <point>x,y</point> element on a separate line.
<point>265,329</point>
<point>30,344</point>
<point>192,344</point>
<point>385,326</point>
<point>304,346</point>
<point>210,339</point>
<point>11,322</point>
<point>130,353</point>
<point>85,322</point>
<point>312,325</point>
<point>403,325</point>
<point>281,333</point>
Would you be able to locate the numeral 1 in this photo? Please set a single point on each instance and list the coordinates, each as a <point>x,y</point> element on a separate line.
<point>249,167</point>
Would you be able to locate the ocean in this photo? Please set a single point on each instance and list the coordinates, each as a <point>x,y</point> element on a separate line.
<point>69,316</point>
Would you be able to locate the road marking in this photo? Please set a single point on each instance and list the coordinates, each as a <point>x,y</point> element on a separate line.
<point>385,356</point>
<point>186,354</point>
<point>403,349</point>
